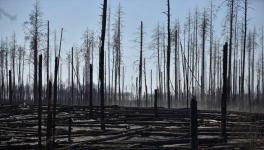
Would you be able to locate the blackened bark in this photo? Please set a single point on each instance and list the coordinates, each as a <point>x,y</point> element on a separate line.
<point>168,58</point>
<point>140,64</point>
<point>69,130</point>
<point>48,59</point>
<point>244,50</point>
<point>40,102</point>
<point>225,93</point>
<point>72,82</point>
<point>146,87</point>
<point>230,49</point>
<point>101,64</point>
<point>194,126</point>
<point>156,103</point>
<point>91,92</point>
<point>55,100</point>
<point>49,118</point>
<point>10,88</point>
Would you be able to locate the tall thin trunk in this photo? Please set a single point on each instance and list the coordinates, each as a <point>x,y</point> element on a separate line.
<point>211,48</point>
<point>168,57</point>
<point>48,59</point>
<point>40,102</point>
<point>55,96</point>
<point>151,96</point>
<point>230,49</point>
<point>253,63</point>
<point>262,58</point>
<point>249,71</point>
<point>225,92</point>
<point>244,50</point>
<point>72,79</point>
<point>203,56</point>
<point>109,51</point>
<point>146,87</point>
<point>140,64</point>
<point>176,64</point>
<point>101,63</point>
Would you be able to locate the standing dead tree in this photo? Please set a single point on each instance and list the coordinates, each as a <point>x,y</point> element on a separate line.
<point>12,60</point>
<point>193,124</point>
<point>244,50</point>
<point>262,60</point>
<point>55,96</point>
<point>91,92</point>
<point>109,59</point>
<point>40,102</point>
<point>10,88</point>
<point>2,92</point>
<point>203,32</point>
<point>49,117</point>
<point>168,55</point>
<point>117,52</point>
<point>140,64</point>
<point>230,48</point>
<point>225,92</point>
<point>47,58</point>
<point>176,62</point>
<point>146,87</point>
<point>72,78</point>
<point>249,47</point>
<point>21,53</point>
<point>35,26</point>
<point>156,45</point>
<point>101,64</point>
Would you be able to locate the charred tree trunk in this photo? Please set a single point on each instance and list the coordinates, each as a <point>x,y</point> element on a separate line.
<point>203,56</point>
<point>40,102</point>
<point>230,49</point>
<point>151,95</point>
<point>194,126</point>
<point>146,87</point>
<point>225,92</point>
<point>91,92</point>
<point>69,130</point>
<point>55,96</point>
<point>10,88</point>
<point>109,61</point>
<point>101,64</point>
<point>140,64</point>
<point>168,57</point>
<point>48,59</point>
<point>176,67</point>
<point>244,50</point>
<point>72,80</point>
<point>156,103</point>
<point>49,118</point>
<point>262,60</point>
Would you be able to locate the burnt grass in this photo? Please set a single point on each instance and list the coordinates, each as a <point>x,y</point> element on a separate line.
<point>128,128</point>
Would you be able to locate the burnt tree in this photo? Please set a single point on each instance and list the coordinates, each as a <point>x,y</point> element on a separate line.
<point>40,102</point>
<point>225,93</point>
<point>101,64</point>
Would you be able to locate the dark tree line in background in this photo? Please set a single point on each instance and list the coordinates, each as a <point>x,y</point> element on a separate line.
<point>182,67</point>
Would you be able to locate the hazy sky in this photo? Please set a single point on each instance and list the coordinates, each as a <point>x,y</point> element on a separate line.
<point>77,15</point>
